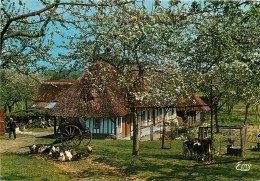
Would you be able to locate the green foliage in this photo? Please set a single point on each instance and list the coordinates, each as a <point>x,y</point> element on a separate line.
<point>16,87</point>
<point>31,114</point>
<point>35,124</point>
<point>63,75</point>
<point>190,134</point>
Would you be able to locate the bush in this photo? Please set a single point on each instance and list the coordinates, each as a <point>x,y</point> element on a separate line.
<point>35,124</point>
<point>31,114</point>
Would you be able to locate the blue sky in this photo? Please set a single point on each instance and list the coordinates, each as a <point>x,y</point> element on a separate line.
<point>34,5</point>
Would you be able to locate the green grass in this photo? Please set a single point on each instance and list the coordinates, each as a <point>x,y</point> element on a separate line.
<point>156,164</point>
<point>17,167</point>
<point>152,164</point>
<point>236,117</point>
<point>41,167</point>
<point>40,130</point>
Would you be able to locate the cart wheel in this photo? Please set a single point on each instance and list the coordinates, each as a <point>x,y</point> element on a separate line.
<point>71,136</point>
<point>87,137</point>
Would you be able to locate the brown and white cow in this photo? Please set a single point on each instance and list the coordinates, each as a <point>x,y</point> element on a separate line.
<point>208,149</point>
<point>198,150</point>
<point>187,147</point>
<point>202,149</point>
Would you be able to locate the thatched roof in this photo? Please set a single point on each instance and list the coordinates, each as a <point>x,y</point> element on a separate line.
<point>95,94</point>
<point>52,90</point>
<point>193,103</point>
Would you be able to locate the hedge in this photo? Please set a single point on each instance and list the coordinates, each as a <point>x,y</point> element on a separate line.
<point>31,114</point>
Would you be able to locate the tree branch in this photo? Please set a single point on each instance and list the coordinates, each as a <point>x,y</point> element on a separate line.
<point>6,13</point>
<point>24,34</point>
<point>222,104</point>
<point>48,8</point>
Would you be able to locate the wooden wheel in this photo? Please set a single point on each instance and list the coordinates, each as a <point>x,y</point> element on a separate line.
<point>87,137</point>
<point>71,136</point>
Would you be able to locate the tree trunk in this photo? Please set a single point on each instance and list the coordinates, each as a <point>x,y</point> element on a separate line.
<point>26,105</point>
<point>10,108</point>
<point>256,110</point>
<point>135,133</point>
<point>247,106</point>
<point>230,107</point>
<point>163,133</point>
<point>211,112</point>
<point>216,118</point>
<point>5,108</point>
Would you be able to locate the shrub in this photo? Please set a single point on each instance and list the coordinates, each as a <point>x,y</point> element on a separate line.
<point>35,124</point>
<point>31,114</point>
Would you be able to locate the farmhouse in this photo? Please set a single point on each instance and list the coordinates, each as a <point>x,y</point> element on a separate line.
<point>50,92</point>
<point>96,98</point>
<point>189,109</point>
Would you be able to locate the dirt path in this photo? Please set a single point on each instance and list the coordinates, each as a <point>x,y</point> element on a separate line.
<point>83,169</point>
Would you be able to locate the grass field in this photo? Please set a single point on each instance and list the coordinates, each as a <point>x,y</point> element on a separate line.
<point>47,130</point>
<point>19,166</point>
<point>152,164</point>
<point>156,164</point>
<point>237,116</point>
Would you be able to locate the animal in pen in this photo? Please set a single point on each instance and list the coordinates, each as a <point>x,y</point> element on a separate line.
<point>202,149</point>
<point>187,148</point>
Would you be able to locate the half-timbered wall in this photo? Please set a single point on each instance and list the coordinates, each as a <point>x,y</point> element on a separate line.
<point>123,126</point>
<point>104,125</point>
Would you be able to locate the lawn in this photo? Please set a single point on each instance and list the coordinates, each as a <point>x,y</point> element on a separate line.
<point>12,168</point>
<point>47,130</point>
<point>236,117</point>
<point>154,163</point>
<point>15,164</point>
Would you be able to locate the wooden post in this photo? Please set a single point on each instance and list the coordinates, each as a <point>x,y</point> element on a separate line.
<point>55,125</point>
<point>241,142</point>
<point>151,132</point>
<point>164,128</point>
<point>211,110</point>
<point>245,141</point>
<point>115,126</point>
<point>153,116</point>
<point>243,131</point>
<point>123,126</point>
<point>211,115</point>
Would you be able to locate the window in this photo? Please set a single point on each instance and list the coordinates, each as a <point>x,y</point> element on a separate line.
<point>97,123</point>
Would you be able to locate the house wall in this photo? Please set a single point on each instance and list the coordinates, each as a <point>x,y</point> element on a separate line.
<point>145,117</point>
<point>123,126</point>
<point>191,116</point>
<point>105,125</point>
